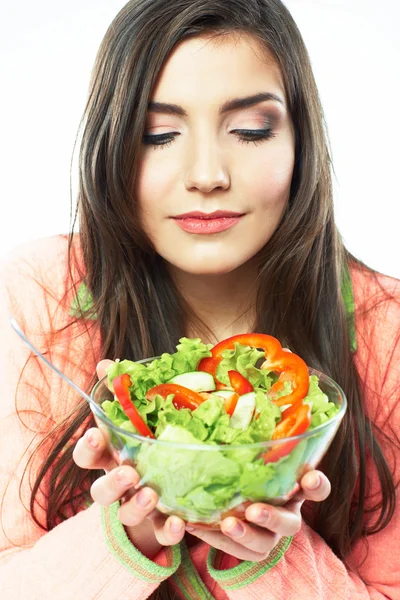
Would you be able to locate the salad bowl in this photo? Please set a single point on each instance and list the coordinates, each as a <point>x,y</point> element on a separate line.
<point>203,471</point>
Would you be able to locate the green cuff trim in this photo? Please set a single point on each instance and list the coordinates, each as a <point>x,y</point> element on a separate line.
<point>129,556</point>
<point>189,582</point>
<point>246,572</point>
<point>82,304</point>
<point>348,299</point>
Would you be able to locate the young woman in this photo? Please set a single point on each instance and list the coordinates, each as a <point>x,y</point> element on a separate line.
<point>205,209</point>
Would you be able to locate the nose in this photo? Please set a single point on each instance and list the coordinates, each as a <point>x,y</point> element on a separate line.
<point>205,168</point>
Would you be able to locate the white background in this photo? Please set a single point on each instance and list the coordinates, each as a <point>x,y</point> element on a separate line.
<point>47,53</point>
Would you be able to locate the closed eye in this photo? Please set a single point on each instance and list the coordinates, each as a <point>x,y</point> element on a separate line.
<point>243,135</point>
<point>254,135</point>
<point>162,139</point>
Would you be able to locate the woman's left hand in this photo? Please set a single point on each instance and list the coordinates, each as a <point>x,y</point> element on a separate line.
<point>254,538</point>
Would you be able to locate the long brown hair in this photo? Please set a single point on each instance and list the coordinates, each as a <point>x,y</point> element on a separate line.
<point>300,269</point>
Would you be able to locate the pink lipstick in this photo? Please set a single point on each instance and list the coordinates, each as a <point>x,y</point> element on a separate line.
<point>207,223</point>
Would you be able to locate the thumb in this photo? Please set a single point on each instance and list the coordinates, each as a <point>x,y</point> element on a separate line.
<point>101,367</point>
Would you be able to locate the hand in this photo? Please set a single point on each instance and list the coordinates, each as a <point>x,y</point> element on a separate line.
<point>147,529</point>
<point>254,538</point>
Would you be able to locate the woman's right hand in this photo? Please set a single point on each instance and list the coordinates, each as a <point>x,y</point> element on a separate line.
<point>147,529</point>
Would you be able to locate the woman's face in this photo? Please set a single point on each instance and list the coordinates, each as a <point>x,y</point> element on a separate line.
<point>218,155</point>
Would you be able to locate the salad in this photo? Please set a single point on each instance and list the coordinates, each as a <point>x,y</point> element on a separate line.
<point>234,395</point>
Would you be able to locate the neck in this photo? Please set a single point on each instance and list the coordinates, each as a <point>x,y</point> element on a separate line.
<point>221,305</point>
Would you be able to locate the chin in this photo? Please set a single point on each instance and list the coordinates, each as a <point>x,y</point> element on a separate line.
<point>209,267</point>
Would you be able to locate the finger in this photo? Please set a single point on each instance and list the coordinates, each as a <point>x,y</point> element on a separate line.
<point>112,486</point>
<point>91,451</point>
<point>229,546</point>
<point>168,531</point>
<point>253,538</point>
<point>102,366</point>
<point>136,509</point>
<point>281,520</point>
<point>315,486</point>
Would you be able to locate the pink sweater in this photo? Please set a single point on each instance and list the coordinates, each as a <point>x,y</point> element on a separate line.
<point>89,556</point>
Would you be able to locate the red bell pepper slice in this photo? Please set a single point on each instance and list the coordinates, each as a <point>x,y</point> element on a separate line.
<point>295,420</point>
<point>240,384</point>
<point>256,340</point>
<point>289,366</point>
<point>208,364</point>
<point>121,385</point>
<point>183,397</point>
<point>291,410</point>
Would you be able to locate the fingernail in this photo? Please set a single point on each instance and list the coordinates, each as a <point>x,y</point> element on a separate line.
<point>262,516</point>
<point>142,499</point>
<point>189,528</point>
<point>237,530</point>
<point>313,481</point>
<point>92,440</point>
<point>125,479</point>
<point>176,527</point>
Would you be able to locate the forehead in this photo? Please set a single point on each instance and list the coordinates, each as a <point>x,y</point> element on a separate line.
<point>211,68</point>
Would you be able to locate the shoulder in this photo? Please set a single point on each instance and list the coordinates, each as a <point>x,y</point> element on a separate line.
<point>38,281</point>
<point>47,262</point>
<point>376,303</point>
<point>38,247</point>
<point>377,320</point>
<point>40,277</point>
<point>371,288</point>
<point>44,255</point>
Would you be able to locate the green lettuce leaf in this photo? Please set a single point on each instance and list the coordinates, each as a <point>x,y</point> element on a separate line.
<point>188,355</point>
<point>178,473</point>
<point>145,376</point>
<point>210,411</point>
<point>254,477</point>
<point>243,359</point>
<point>222,432</point>
<point>114,412</point>
<point>321,409</point>
<point>261,429</point>
<point>169,415</point>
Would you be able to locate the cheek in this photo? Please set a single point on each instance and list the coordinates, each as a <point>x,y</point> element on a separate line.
<point>269,182</point>
<point>156,178</point>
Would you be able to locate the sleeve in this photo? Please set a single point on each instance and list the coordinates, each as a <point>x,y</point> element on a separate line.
<point>88,555</point>
<point>304,566</point>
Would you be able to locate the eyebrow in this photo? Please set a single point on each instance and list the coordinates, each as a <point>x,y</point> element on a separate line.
<point>230,105</point>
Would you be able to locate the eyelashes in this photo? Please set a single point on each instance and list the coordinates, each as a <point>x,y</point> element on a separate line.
<point>256,136</point>
<point>245,136</point>
<point>163,139</point>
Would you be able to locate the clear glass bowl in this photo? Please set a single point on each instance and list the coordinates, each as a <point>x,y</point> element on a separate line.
<point>224,479</point>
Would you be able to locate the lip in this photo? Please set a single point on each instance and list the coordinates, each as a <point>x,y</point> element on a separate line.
<point>207,225</point>
<point>196,214</point>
